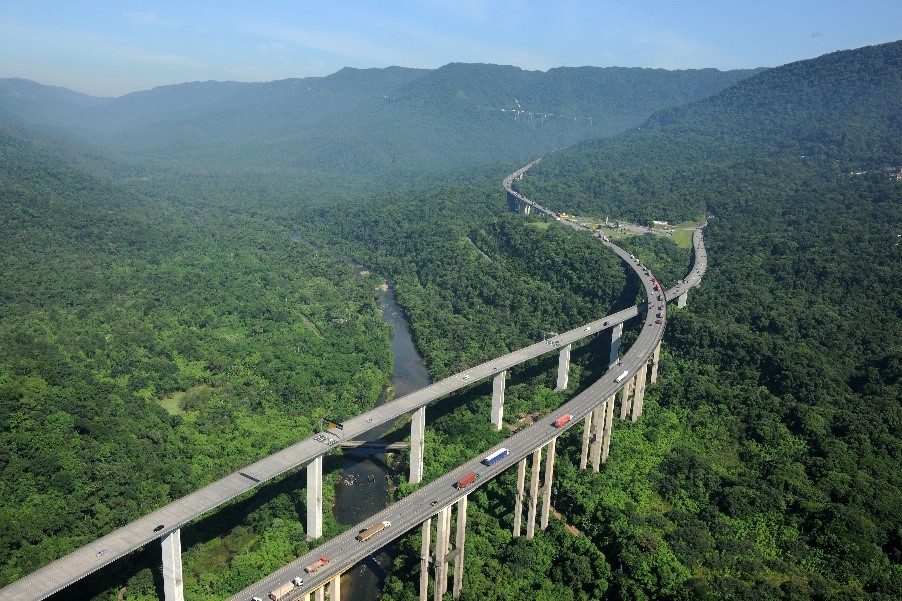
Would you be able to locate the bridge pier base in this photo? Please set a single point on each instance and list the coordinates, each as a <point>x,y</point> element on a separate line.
<point>533,493</point>
<point>606,430</point>
<point>616,333</point>
<point>315,498</point>
<point>681,300</point>
<point>173,589</point>
<point>625,400</point>
<point>549,479</point>
<point>498,384</point>
<point>518,504</point>
<point>417,445</point>
<point>587,435</point>
<point>655,360</point>
<point>563,368</point>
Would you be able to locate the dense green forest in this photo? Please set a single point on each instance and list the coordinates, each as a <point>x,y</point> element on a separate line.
<point>395,123</point>
<point>767,461</point>
<point>149,348</point>
<point>163,327</point>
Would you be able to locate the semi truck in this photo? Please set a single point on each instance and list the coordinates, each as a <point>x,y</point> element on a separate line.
<point>562,420</point>
<point>282,591</point>
<point>466,480</point>
<point>496,456</point>
<point>317,564</point>
<point>372,531</point>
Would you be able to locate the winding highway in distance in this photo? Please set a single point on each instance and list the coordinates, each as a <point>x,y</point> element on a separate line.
<point>343,550</point>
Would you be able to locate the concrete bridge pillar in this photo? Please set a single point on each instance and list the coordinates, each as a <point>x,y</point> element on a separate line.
<point>459,541</point>
<point>417,444</point>
<point>315,498</point>
<point>563,368</point>
<point>606,430</point>
<point>498,384</point>
<point>549,479</point>
<point>616,333</point>
<point>320,594</point>
<point>625,400</point>
<point>640,392</point>
<point>424,559</point>
<point>681,299</point>
<point>173,589</point>
<point>518,504</point>
<point>335,589</point>
<point>533,493</point>
<point>597,426</point>
<point>587,435</point>
<point>442,546</point>
<point>655,360</point>
<point>526,208</point>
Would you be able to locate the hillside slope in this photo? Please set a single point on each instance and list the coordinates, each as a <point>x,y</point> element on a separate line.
<point>770,451</point>
<point>366,121</point>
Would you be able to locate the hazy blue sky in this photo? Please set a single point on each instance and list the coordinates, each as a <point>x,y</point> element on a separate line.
<point>114,47</point>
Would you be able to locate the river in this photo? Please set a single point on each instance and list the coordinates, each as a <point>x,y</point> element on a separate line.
<point>363,489</point>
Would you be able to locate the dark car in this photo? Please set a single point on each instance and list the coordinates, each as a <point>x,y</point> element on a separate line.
<point>158,528</point>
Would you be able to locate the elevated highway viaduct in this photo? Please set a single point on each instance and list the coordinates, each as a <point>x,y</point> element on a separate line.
<point>418,508</point>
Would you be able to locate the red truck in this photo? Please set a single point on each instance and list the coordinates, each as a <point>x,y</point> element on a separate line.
<point>466,480</point>
<point>317,564</point>
<point>562,420</point>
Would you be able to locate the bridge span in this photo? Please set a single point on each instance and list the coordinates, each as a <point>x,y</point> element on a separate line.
<point>594,408</point>
<point>595,403</point>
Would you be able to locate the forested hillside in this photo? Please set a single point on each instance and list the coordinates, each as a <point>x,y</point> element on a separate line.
<point>767,462</point>
<point>149,348</point>
<point>360,122</point>
<point>165,321</point>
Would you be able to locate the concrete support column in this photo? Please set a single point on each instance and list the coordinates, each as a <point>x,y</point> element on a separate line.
<point>498,384</point>
<point>587,434</point>
<point>335,589</point>
<point>563,368</point>
<point>608,427</point>
<point>305,597</point>
<point>681,299</point>
<point>597,425</point>
<point>417,444</point>
<point>320,594</point>
<point>533,493</point>
<point>442,540</point>
<point>459,541</point>
<point>424,560</point>
<point>173,589</point>
<point>640,392</point>
<point>315,498</point>
<point>616,333</point>
<point>518,505</point>
<point>655,359</point>
<point>549,479</point>
<point>625,400</point>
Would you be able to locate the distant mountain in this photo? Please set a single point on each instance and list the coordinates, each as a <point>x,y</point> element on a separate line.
<point>842,107</point>
<point>371,120</point>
